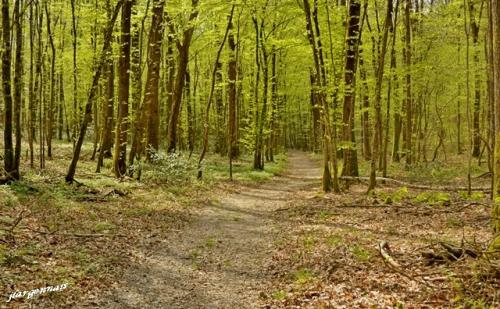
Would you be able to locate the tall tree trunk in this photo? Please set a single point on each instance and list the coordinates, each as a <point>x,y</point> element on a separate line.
<point>18,84</point>
<point>392,82</point>
<point>41,88</point>
<point>151,101</point>
<point>274,107</point>
<point>76,108</point>
<point>474,28</point>
<point>365,114</point>
<point>232,103</point>
<point>122,122</point>
<point>351,56</point>
<point>495,19</point>
<point>107,130</point>
<point>220,142</point>
<point>9,162</point>
<point>316,113</point>
<point>138,112</point>
<point>32,87</point>
<point>50,106</point>
<point>378,98</point>
<point>408,99</point>
<point>189,113</point>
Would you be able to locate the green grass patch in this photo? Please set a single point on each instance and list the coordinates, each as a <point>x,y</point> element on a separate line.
<point>303,276</point>
<point>279,295</point>
<point>361,254</point>
<point>333,240</point>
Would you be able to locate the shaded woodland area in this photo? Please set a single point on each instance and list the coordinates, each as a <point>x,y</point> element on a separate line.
<point>359,139</point>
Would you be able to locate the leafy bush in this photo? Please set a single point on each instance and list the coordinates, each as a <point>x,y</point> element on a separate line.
<point>171,167</point>
<point>433,198</point>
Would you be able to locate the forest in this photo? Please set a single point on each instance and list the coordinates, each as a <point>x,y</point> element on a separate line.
<point>250,154</point>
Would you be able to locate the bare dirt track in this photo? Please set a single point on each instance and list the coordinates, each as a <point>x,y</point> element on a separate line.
<point>220,259</point>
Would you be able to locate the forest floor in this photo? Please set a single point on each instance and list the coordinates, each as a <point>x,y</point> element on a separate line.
<point>256,242</point>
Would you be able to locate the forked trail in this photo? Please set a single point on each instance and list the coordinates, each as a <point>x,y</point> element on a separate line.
<point>219,260</point>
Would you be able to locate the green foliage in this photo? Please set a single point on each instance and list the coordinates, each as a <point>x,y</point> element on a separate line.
<point>279,295</point>
<point>8,197</point>
<point>433,198</point>
<point>361,253</point>
<point>303,276</point>
<point>309,241</point>
<point>475,196</point>
<point>169,168</point>
<point>333,240</point>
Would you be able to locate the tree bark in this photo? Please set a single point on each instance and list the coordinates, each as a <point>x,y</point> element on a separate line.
<point>122,122</point>
<point>51,110</point>
<point>495,19</point>
<point>9,162</point>
<point>107,130</point>
<point>18,85</point>
<point>378,98</point>
<point>351,56</point>
<point>232,98</point>
<point>408,99</point>
<point>76,109</point>
<point>151,101</point>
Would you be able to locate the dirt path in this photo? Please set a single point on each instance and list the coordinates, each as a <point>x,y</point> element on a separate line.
<point>218,261</point>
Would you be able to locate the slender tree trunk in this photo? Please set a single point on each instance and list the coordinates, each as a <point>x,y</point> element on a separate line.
<point>9,160</point>
<point>495,20</point>
<point>474,29</point>
<point>351,55</point>
<point>32,96</point>
<point>107,133</point>
<point>232,102</point>
<point>76,109</point>
<point>210,96</point>
<point>467,91</point>
<point>392,81</point>
<point>151,99</point>
<point>40,93</point>
<point>50,106</point>
<point>365,114</point>
<point>92,93</point>
<point>18,84</point>
<point>220,142</point>
<point>316,113</point>
<point>378,98</point>
<point>138,111</point>
<point>189,113</point>
<point>408,99</point>
<point>122,122</point>
<point>183,48</point>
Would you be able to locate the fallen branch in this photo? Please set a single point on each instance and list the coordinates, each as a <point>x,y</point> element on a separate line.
<point>394,265</point>
<point>384,252</point>
<point>414,186</point>
<point>455,253</point>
